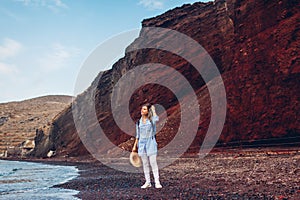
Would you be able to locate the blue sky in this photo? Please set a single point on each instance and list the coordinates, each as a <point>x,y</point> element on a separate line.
<point>44,42</point>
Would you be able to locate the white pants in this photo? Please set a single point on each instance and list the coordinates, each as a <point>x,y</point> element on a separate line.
<point>146,166</point>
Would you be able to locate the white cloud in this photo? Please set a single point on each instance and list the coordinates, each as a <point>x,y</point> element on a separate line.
<point>54,5</point>
<point>59,3</point>
<point>7,69</point>
<point>9,49</point>
<point>58,57</point>
<point>152,4</point>
<point>10,14</point>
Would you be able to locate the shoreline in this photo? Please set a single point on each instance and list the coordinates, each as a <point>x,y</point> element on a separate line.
<point>264,173</point>
<point>35,180</point>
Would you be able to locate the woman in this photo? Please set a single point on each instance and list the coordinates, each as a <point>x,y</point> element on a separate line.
<point>146,144</point>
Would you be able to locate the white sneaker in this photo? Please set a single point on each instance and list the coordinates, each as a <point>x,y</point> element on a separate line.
<point>158,185</point>
<point>146,185</point>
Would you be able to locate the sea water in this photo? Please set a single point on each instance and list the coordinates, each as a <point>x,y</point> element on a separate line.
<point>29,180</point>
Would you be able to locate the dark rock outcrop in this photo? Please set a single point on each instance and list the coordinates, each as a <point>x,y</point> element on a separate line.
<point>255,46</point>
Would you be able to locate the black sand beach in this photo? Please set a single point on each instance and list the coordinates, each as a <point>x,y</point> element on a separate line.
<point>247,174</point>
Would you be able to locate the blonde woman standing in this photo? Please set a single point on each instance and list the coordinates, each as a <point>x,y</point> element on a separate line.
<point>146,145</point>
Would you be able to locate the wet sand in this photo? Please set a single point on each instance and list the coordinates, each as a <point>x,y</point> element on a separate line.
<point>247,174</point>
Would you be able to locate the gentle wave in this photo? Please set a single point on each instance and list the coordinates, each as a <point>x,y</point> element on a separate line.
<point>28,180</point>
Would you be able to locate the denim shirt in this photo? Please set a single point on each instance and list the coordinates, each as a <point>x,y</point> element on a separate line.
<point>147,144</point>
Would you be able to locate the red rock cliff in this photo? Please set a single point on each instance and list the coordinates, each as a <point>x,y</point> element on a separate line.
<point>255,45</point>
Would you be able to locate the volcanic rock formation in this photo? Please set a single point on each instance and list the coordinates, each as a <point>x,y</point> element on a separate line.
<point>255,45</point>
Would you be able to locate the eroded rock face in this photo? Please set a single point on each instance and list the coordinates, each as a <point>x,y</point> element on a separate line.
<point>20,120</point>
<point>3,120</point>
<point>255,46</point>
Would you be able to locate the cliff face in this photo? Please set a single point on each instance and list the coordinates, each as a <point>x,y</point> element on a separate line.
<point>20,120</point>
<point>255,46</point>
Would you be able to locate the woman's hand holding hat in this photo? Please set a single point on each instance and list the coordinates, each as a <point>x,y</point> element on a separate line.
<point>135,159</point>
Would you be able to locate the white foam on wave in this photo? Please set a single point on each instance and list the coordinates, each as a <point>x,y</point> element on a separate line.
<point>41,179</point>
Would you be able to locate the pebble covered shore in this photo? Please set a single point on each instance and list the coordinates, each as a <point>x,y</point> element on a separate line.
<point>251,175</point>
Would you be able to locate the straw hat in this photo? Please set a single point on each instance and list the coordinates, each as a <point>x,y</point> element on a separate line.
<point>135,159</point>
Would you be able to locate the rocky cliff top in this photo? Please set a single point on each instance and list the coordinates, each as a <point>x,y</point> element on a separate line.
<point>20,120</point>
